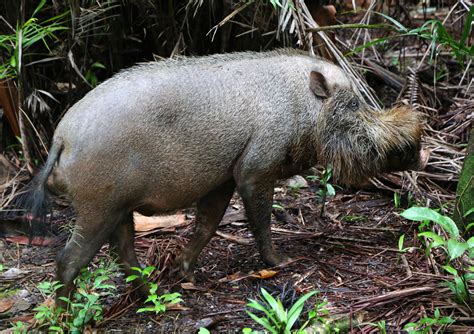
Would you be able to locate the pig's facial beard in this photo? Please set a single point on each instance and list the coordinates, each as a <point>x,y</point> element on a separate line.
<point>364,143</point>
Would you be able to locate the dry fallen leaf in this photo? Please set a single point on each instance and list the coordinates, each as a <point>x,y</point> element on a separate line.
<point>35,241</point>
<point>264,273</point>
<point>5,304</point>
<point>191,286</point>
<point>144,223</point>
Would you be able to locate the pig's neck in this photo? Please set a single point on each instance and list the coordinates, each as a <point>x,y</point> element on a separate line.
<point>302,152</point>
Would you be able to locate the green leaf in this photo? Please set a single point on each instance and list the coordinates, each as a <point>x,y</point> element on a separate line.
<point>469,277</point>
<point>131,278</point>
<point>276,307</point>
<point>470,242</point>
<point>400,242</point>
<point>277,206</point>
<point>263,322</point>
<point>421,214</point>
<point>203,330</point>
<point>148,270</point>
<point>295,310</point>
<point>450,270</point>
<point>469,226</point>
<point>56,329</point>
<point>400,26</point>
<point>437,240</point>
<point>456,248</point>
<point>467,27</point>
<point>471,210</point>
<point>259,307</point>
<point>38,8</point>
<point>330,190</point>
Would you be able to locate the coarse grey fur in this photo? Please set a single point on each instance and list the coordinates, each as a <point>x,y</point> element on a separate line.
<point>161,136</point>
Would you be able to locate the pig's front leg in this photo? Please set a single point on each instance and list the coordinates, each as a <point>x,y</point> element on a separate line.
<point>254,175</point>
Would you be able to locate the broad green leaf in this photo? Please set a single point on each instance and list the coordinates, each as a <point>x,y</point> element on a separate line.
<point>456,248</point>
<point>449,226</point>
<point>437,240</point>
<point>330,190</point>
<point>131,278</point>
<point>147,271</point>
<point>421,214</point>
<point>470,242</point>
<point>469,277</point>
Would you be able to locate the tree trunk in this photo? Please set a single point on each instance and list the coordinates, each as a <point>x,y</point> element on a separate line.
<point>465,191</point>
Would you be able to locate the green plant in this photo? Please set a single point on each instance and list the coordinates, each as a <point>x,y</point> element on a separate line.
<point>326,188</point>
<point>451,244</point>
<point>470,225</point>
<point>381,326</point>
<point>20,328</point>
<point>431,30</point>
<point>24,37</point>
<point>426,324</point>
<point>396,200</point>
<point>354,218</point>
<point>82,307</point>
<point>277,320</point>
<point>401,241</point>
<point>157,302</point>
<point>91,75</point>
<point>277,206</point>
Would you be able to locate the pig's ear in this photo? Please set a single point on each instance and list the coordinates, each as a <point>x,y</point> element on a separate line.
<point>318,85</point>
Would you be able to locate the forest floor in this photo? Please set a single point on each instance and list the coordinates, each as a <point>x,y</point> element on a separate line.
<point>350,255</point>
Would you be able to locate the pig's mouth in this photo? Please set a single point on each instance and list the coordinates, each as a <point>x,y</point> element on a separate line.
<point>411,158</point>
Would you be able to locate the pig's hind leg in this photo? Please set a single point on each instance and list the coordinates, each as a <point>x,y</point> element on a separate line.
<point>122,242</point>
<point>210,210</point>
<point>93,228</point>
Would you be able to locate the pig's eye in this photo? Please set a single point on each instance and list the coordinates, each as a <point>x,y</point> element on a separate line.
<point>354,104</point>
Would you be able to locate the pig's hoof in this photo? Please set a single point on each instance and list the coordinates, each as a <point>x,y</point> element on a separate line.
<point>180,272</point>
<point>275,259</point>
<point>187,276</point>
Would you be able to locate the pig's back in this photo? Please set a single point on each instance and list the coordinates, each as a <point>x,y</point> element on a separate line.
<point>186,122</point>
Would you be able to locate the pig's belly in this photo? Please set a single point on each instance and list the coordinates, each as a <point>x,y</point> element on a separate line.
<point>161,199</point>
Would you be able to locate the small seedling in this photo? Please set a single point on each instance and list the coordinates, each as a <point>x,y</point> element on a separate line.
<point>451,244</point>
<point>401,240</point>
<point>276,319</point>
<point>82,307</point>
<point>156,303</point>
<point>426,324</point>
<point>396,200</point>
<point>326,189</point>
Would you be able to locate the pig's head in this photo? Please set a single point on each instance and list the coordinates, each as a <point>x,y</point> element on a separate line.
<point>360,142</point>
